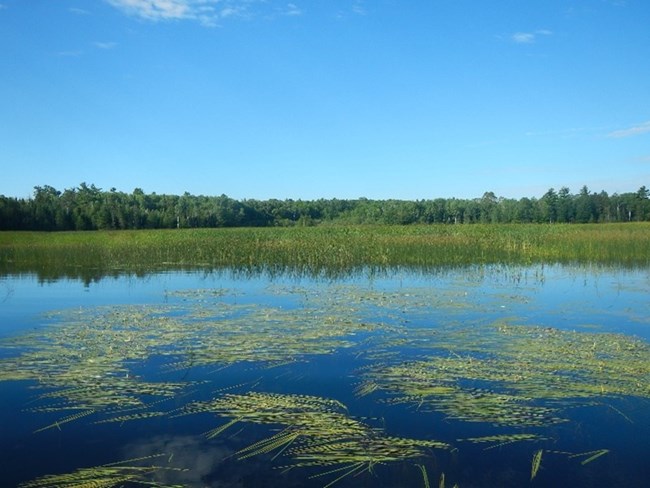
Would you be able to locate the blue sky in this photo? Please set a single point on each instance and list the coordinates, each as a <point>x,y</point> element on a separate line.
<point>325,98</point>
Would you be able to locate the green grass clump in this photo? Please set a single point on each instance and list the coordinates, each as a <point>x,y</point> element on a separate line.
<point>321,250</point>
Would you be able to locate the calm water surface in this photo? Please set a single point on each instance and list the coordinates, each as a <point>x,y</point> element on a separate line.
<point>370,380</point>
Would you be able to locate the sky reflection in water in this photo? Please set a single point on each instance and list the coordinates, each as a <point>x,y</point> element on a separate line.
<point>213,336</point>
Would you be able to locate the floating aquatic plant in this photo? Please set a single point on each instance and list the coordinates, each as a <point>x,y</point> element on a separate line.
<point>515,375</point>
<point>106,476</point>
<point>536,463</point>
<point>84,359</point>
<point>317,432</point>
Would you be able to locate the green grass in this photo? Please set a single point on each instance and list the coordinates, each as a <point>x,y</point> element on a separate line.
<point>322,250</point>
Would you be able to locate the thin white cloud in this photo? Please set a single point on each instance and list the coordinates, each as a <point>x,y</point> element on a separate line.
<point>213,12</point>
<point>292,9</point>
<point>523,37</point>
<point>636,130</point>
<point>569,133</point>
<point>70,54</point>
<point>155,9</point>
<point>358,8</point>
<point>529,37</point>
<point>230,11</point>
<point>104,45</point>
<point>78,11</point>
<point>207,12</point>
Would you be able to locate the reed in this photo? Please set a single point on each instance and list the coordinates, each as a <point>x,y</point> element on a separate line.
<point>321,250</point>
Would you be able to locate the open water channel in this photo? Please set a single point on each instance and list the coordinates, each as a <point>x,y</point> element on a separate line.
<point>485,376</point>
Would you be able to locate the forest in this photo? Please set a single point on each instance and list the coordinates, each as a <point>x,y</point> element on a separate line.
<point>87,207</point>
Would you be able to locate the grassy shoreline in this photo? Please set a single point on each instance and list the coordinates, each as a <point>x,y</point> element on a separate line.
<point>315,250</point>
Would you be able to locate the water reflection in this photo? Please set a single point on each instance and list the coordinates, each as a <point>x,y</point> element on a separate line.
<point>381,378</point>
<point>93,271</point>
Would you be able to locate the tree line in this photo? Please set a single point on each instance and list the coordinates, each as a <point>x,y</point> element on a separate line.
<point>87,207</point>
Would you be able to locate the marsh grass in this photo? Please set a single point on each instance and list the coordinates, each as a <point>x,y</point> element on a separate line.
<point>320,250</point>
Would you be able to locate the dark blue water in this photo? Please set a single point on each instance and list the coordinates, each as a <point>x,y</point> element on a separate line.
<point>374,322</point>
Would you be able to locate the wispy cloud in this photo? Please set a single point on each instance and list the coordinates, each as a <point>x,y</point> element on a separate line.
<point>78,11</point>
<point>230,12</point>
<point>292,9</point>
<point>70,54</point>
<point>358,8</point>
<point>529,37</point>
<point>207,12</point>
<point>155,9</point>
<point>523,37</point>
<point>570,133</point>
<point>636,130</point>
<point>104,45</point>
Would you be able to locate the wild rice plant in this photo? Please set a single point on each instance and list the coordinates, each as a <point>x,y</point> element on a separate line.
<point>327,251</point>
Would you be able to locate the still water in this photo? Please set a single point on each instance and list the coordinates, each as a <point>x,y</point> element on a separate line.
<point>487,376</point>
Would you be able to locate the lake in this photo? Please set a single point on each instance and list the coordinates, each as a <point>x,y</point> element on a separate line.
<point>472,376</point>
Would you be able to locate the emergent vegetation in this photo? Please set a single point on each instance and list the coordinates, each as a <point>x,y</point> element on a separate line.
<point>320,250</point>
